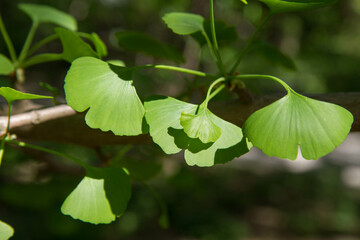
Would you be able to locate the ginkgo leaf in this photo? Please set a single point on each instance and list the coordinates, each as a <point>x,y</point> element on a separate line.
<point>318,127</point>
<point>163,113</point>
<point>112,100</point>
<point>140,42</point>
<point>101,196</point>
<point>163,116</point>
<point>43,14</point>
<point>73,46</point>
<point>230,144</point>
<point>99,45</point>
<point>184,23</point>
<point>200,126</point>
<point>6,231</point>
<point>12,95</point>
<point>6,66</point>
<point>281,6</point>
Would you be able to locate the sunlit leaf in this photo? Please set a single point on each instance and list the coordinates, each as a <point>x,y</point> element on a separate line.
<point>163,116</point>
<point>111,99</point>
<point>73,46</point>
<point>200,126</point>
<point>12,95</point>
<point>184,23</point>
<point>6,66</point>
<point>100,197</point>
<point>318,127</point>
<point>139,42</point>
<point>43,14</point>
<point>224,33</point>
<point>6,231</point>
<point>280,6</point>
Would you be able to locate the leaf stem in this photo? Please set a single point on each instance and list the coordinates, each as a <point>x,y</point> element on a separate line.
<point>180,69</point>
<point>29,38</point>
<point>249,42</point>
<point>7,39</point>
<point>258,76</point>
<point>220,63</point>
<point>41,43</point>
<point>210,95</point>
<point>42,149</point>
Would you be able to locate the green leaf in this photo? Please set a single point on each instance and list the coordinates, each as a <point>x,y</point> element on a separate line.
<point>99,45</point>
<point>139,42</point>
<point>42,58</point>
<point>281,6</point>
<point>224,33</point>
<point>200,126</point>
<point>6,66</point>
<point>184,23</point>
<point>73,46</point>
<point>318,127</point>
<point>43,14</point>
<point>163,116</point>
<point>101,196</point>
<point>6,231</point>
<point>112,100</point>
<point>12,95</point>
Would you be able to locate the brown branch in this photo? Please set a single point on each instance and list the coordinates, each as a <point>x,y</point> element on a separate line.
<point>62,124</point>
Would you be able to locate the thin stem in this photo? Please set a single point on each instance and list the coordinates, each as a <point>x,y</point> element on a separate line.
<point>6,133</point>
<point>209,45</point>
<point>210,95</point>
<point>41,43</point>
<point>215,43</point>
<point>42,149</point>
<point>180,69</point>
<point>8,42</point>
<point>257,76</point>
<point>30,37</point>
<point>8,123</point>
<point>249,42</point>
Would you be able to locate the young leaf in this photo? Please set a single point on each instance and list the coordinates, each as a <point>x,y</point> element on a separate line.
<point>6,66</point>
<point>200,126</point>
<point>73,46</point>
<point>139,42</point>
<point>163,116</point>
<point>100,197</point>
<point>184,23</point>
<point>281,6</point>
<point>43,14</point>
<point>12,95</point>
<point>318,127</point>
<point>6,231</point>
<point>112,100</point>
<point>224,33</point>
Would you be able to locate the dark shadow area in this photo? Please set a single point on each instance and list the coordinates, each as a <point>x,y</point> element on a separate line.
<point>226,155</point>
<point>182,140</point>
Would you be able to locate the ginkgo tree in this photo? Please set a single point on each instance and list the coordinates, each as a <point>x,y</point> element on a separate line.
<point>105,90</point>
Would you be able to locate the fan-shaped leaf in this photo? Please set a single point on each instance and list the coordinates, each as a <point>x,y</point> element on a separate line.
<point>318,127</point>
<point>163,116</point>
<point>99,45</point>
<point>100,197</point>
<point>6,231</point>
<point>12,95</point>
<point>43,14</point>
<point>6,66</point>
<point>280,6</point>
<point>112,100</point>
<point>73,46</point>
<point>200,126</point>
<point>139,42</point>
<point>184,23</point>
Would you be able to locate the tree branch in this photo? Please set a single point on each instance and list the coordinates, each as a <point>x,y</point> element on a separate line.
<point>62,124</point>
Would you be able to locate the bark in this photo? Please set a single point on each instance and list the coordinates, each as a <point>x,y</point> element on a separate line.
<point>62,124</point>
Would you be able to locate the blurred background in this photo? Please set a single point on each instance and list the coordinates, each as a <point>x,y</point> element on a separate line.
<point>254,197</point>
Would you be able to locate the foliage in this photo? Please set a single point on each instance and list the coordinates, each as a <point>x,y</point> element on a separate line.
<point>106,91</point>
